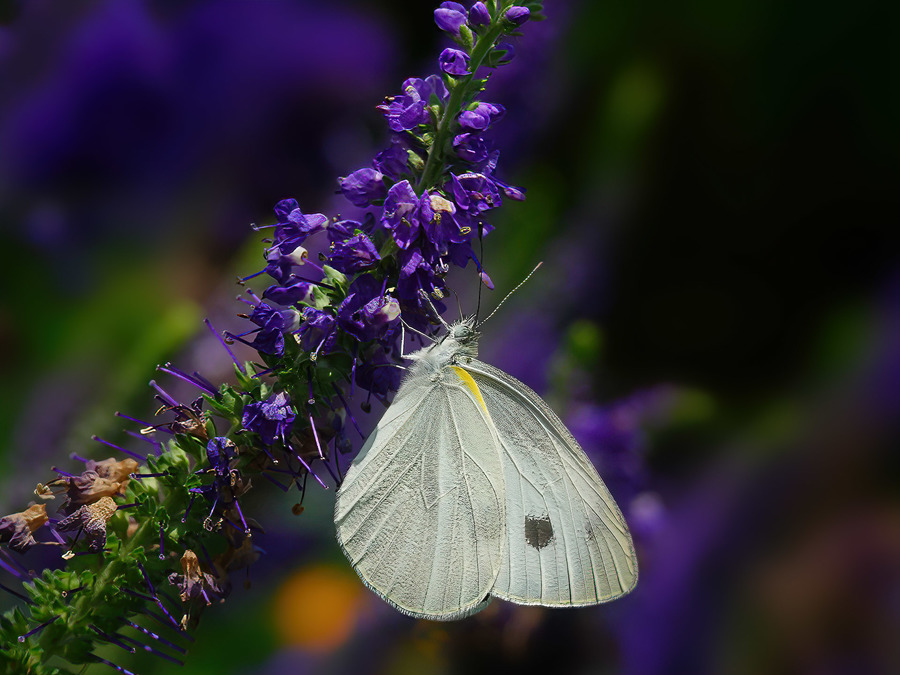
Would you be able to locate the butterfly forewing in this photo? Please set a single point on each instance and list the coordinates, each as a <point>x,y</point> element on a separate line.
<point>420,512</point>
<point>567,543</point>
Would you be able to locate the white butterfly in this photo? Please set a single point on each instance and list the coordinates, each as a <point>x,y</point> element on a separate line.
<point>472,487</point>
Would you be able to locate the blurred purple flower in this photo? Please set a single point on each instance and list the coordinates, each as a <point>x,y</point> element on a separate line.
<point>133,105</point>
<point>504,53</point>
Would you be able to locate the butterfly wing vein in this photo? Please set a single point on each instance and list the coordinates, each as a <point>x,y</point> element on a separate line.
<point>420,513</point>
<point>567,542</point>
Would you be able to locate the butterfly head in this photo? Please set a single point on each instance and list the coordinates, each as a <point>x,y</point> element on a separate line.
<point>464,336</point>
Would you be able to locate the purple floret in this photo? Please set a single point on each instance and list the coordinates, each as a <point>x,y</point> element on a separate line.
<point>401,213</point>
<point>393,162</point>
<point>354,255</point>
<point>454,62</point>
<point>363,186</point>
<point>481,117</point>
<point>368,313</point>
<point>474,192</point>
<point>406,111</point>
<point>318,333</point>
<point>272,419</point>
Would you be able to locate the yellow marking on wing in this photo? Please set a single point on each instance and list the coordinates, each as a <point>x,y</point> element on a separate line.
<point>471,384</point>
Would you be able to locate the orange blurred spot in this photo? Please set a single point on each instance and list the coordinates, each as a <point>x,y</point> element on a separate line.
<point>316,608</point>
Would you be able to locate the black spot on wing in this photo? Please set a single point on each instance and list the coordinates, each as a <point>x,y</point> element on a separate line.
<point>538,531</point>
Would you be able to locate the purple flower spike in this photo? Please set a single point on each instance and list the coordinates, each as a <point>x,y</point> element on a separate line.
<point>479,15</point>
<point>450,16</point>
<point>400,216</point>
<point>517,15</point>
<point>363,186</point>
<point>454,62</point>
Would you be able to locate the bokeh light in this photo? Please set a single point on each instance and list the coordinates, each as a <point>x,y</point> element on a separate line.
<point>317,607</point>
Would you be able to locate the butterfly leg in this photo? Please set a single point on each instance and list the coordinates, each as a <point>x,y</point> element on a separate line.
<point>412,355</point>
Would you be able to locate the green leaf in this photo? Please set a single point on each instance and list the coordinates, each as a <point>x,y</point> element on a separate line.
<point>466,39</point>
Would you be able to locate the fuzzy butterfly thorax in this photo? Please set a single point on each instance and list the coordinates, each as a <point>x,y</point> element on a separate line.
<point>456,347</point>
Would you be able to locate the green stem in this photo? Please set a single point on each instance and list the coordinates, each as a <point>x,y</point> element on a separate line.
<point>86,602</point>
<point>459,94</point>
<point>113,567</point>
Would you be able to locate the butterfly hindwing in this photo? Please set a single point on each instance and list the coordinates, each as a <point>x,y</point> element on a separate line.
<point>420,512</point>
<point>567,542</point>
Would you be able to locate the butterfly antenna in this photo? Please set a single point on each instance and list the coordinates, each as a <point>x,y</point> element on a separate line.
<point>480,267</point>
<point>427,299</point>
<point>521,283</point>
<point>458,303</point>
<point>416,330</point>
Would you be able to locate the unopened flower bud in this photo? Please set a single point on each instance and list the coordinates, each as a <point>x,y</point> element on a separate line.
<point>479,15</point>
<point>517,15</point>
